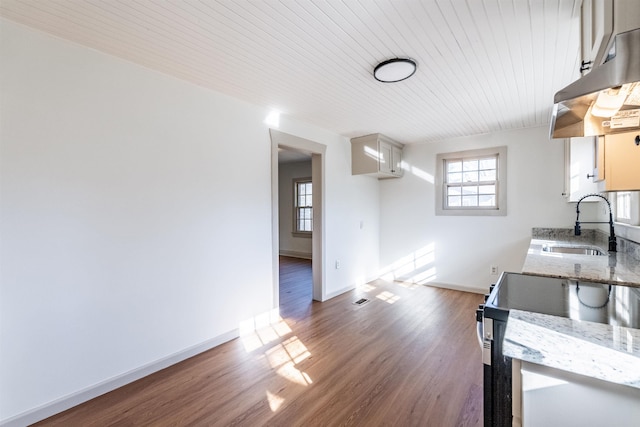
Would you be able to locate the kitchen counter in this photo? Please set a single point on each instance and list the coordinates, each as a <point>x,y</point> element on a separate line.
<point>602,351</point>
<point>618,268</point>
<point>605,352</point>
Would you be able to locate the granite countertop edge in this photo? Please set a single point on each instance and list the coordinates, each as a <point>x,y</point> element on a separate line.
<point>605,352</point>
<point>617,268</point>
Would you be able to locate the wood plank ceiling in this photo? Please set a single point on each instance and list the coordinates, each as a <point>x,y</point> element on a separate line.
<point>483,65</point>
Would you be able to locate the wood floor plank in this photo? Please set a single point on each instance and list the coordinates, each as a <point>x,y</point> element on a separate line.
<point>408,357</point>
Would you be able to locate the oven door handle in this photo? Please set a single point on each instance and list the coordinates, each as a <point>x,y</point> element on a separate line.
<point>479,326</point>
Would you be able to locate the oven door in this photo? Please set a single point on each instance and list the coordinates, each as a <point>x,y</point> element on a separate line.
<point>497,376</point>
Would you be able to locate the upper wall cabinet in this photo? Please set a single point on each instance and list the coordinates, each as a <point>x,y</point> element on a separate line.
<point>621,162</point>
<point>376,155</point>
<point>597,26</point>
<point>601,20</point>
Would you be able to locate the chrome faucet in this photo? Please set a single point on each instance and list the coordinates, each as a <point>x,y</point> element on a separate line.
<point>612,234</point>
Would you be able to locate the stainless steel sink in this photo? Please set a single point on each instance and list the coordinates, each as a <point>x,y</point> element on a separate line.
<point>574,250</point>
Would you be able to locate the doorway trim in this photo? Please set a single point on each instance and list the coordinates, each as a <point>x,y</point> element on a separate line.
<point>317,150</point>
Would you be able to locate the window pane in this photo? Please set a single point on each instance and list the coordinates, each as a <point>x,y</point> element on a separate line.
<point>489,175</point>
<point>623,210</point>
<point>470,165</point>
<point>303,211</point>
<point>454,201</point>
<point>471,176</point>
<point>467,190</point>
<point>469,200</point>
<point>487,201</point>
<point>454,177</point>
<point>455,166</point>
<point>487,189</point>
<point>454,191</point>
<point>488,163</point>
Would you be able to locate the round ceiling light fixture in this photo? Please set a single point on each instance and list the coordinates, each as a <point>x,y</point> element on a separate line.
<point>394,70</point>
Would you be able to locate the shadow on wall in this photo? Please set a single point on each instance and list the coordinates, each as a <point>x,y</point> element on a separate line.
<point>418,172</point>
<point>417,267</point>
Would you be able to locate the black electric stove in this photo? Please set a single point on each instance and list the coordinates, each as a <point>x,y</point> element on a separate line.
<point>594,302</point>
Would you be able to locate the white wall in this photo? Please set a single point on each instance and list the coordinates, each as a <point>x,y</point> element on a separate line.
<point>457,251</point>
<point>131,204</point>
<point>289,244</point>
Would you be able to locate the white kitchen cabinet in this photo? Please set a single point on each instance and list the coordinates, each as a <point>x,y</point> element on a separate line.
<point>601,20</point>
<point>551,397</point>
<point>597,27</point>
<point>580,167</point>
<point>376,155</point>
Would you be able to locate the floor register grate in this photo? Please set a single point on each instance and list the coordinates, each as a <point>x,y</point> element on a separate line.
<point>361,301</point>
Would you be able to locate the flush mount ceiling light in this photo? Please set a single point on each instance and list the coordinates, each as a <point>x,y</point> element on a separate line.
<point>394,70</point>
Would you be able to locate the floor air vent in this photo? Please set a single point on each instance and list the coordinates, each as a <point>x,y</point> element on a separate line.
<point>361,301</point>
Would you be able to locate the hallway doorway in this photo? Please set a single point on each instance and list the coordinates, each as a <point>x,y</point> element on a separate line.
<point>281,141</point>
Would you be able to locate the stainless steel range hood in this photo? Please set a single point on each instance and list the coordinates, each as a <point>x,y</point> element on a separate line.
<point>587,107</point>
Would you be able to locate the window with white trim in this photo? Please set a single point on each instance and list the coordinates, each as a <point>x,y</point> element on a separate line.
<point>472,182</point>
<point>623,205</point>
<point>303,206</point>
<point>627,207</point>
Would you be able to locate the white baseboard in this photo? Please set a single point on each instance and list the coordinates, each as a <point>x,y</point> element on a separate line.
<point>74,399</point>
<point>295,254</point>
<point>340,292</point>
<point>458,287</point>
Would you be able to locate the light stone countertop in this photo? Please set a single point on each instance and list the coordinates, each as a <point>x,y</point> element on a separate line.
<point>606,352</point>
<point>618,268</point>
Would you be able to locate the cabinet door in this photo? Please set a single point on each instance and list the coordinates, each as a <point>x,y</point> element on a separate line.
<point>580,170</point>
<point>386,157</point>
<point>396,155</point>
<point>599,167</point>
<point>622,162</point>
<point>597,26</point>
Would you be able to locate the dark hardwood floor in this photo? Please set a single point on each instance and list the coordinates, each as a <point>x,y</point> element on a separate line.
<point>408,357</point>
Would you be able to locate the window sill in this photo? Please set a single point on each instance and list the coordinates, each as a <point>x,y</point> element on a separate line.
<point>626,231</point>
<point>471,212</point>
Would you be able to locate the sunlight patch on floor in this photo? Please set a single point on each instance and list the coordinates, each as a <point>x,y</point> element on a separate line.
<point>367,287</point>
<point>262,330</point>
<point>408,285</point>
<point>388,297</point>
<point>275,401</point>
<point>266,330</point>
<point>285,356</point>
